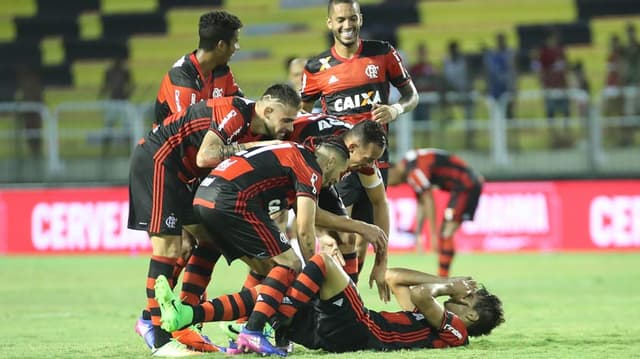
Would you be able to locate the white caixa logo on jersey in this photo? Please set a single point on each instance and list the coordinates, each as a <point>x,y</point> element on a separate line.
<point>171,221</point>
<point>358,100</point>
<point>372,71</point>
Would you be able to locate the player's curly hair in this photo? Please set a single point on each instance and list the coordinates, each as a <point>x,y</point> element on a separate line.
<point>284,94</point>
<point>369,132</point>
<point>490,313</point>
<point>215,26</point>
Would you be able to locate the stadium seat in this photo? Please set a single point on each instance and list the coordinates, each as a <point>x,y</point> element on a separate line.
<point>532,36</point>
<point>588,9</point>
<point>95,49</point>
<point>124,25</point>
<point>67,8</point>
<point>34,28</point>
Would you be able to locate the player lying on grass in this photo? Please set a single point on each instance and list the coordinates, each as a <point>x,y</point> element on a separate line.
<point>323,310</point>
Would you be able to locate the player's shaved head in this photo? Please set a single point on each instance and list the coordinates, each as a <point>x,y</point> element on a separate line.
<point>283,94</point>
<point>334,2</point>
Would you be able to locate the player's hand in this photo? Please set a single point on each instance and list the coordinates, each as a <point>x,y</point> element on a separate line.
<point>384,114</point>
<point>374,235</point>
<point>458,289</point>
<point>329,246</point>
<point>378,276</point>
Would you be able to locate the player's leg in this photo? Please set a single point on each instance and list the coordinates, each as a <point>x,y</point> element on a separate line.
<point>197,274</point>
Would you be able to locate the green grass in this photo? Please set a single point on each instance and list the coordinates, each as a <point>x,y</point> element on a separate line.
<point>556,305</point>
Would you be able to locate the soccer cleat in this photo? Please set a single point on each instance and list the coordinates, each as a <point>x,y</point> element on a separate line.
<point>175,315</point>
<point>255,341</point>
<point>195,340</point>
<point>144,328</point>
<point>173,349</point>
<point>232,329</point>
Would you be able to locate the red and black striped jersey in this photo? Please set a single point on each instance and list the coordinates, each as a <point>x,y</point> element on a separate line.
<point>405,330</point>
<point>181,134</point>
<point>348,88</point>
<point>317,124</point>
<point>185,85</point>
<point>430,166</point>
<point>262,178</point>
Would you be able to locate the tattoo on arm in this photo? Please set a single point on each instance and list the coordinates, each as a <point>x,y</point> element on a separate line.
<point>228,150</point>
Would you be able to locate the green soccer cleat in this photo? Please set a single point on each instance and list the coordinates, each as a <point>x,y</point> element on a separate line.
<point>175,315</point>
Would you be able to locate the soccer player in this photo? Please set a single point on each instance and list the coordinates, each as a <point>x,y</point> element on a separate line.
<point>366,142</point>
<point>352,80</point>
<point>204,73</point>
<point>168,164</point>
<point>425,169</point>
<point>235,202</point>
<point>323,310</point>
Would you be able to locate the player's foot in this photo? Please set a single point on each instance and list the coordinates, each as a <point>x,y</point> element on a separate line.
<point>175,315</point>
<point>255,341</point>
<point>144,328</point>
<point>194,339</point>
<point>173,349</point>
<point>232,329</point>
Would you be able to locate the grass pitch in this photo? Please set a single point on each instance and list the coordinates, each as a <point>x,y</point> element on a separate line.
<point>557,306</point>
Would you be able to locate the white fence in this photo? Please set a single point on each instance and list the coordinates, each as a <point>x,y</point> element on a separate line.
<point>92,141</point>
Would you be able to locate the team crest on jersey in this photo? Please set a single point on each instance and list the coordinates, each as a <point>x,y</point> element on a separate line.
<point>217,92</point>
<point>171,221</point>
<point>372,71</point>
<point>324,62</point>
<point>357,100</point>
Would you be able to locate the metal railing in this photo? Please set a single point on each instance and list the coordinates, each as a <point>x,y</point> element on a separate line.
<point>92,141</point>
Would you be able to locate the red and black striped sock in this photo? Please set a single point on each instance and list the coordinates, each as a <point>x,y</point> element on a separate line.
<point>158,266</point>
<point>197,274</point>
<point>226,307</point>
<point>305,287</point>
<point>177,269</point>
<point>253,279</point>
<point>270,296</point>
<point>446,252</point>
<point>351,266</point>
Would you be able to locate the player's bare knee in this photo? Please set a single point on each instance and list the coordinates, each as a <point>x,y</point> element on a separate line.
<point>166,245</point>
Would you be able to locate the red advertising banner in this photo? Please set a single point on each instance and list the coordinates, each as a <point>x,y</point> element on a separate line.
<point>511,216</point>
<point>82,220</point>
<point>540,216</point>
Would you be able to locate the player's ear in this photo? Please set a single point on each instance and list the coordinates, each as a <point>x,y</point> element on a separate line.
<point>268,110</point>
<point>221,44</point>
<point>329,23</point>
<point>472,316</point>
<point>352,147</point>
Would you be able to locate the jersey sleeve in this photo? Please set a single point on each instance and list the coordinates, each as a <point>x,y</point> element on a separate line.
<point>418,180</point>
<point>228,125</point>
<point>232,88</point>
<point>452,330</point>
<point>398,74</point>
<point>307,180</point>
<point>176,96</point>
<point>310,91</point>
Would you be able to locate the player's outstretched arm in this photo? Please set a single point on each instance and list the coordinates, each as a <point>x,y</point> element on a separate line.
<point>305,225</point>
<point>213,150</point>
<point>371,233</point>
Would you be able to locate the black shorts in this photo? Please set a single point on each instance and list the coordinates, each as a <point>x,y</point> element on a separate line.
<point>330,200</point>
<point>159,202</point>
<point>332,324</point>
<point>463,204</point>
<point>252,234</point>
<point>354,194</point>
